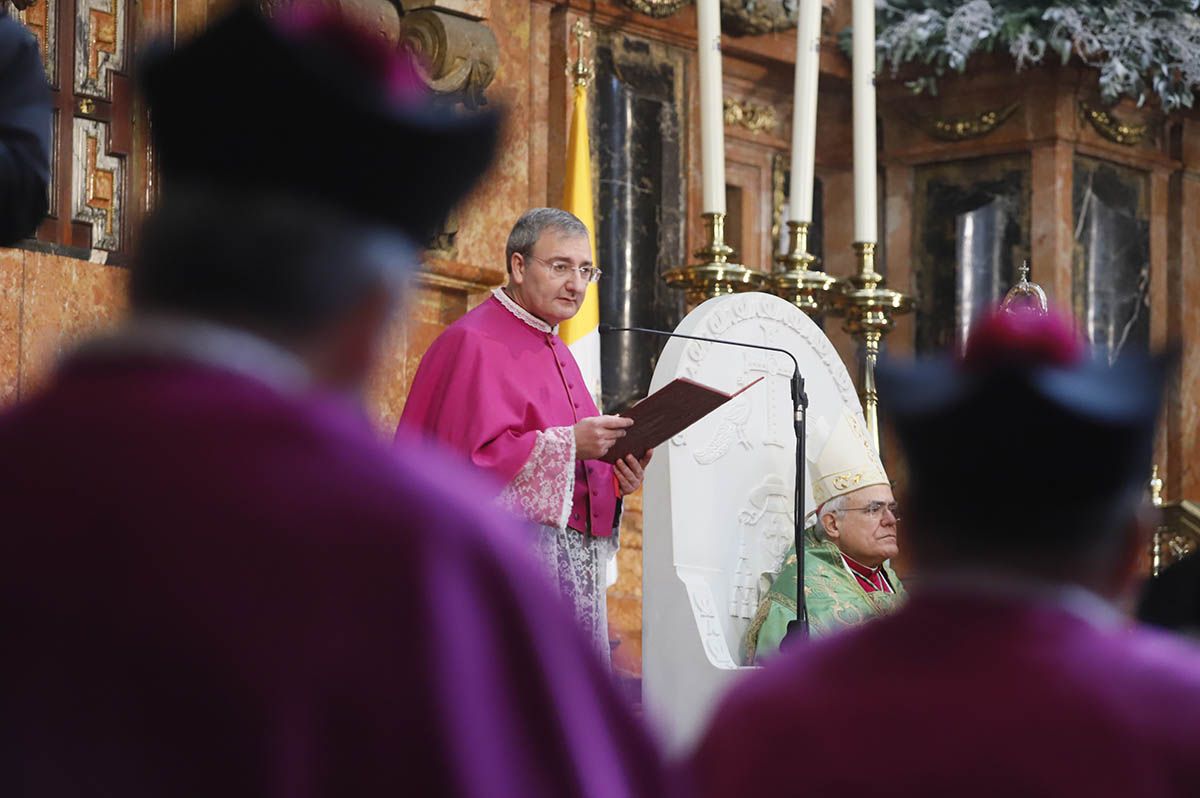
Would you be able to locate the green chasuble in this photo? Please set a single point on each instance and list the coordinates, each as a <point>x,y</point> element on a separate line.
<point>835,598</point>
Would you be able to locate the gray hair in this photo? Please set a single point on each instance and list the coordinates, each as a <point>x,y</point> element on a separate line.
<point>836,505</point>
<point>533,223</point>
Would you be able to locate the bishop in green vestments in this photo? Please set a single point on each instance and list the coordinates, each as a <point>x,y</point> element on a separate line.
<point>847,580</point>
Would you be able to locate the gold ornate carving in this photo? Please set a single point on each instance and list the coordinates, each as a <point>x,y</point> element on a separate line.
<point>754,117</point>
<point>41,19</point>
<point>98,184</point>
<point>755,17</point>
<point>780,164</point>
<point>1108,126</point>
<point>738,17</point>
<point>971,126</point>
<point>461,54</point>
<point>657,8</point>
<point>99,45</point>
<point>1177,536</point>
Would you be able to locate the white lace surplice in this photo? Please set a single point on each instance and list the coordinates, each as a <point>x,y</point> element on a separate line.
<point>542,492</point>
<point>579,562</point>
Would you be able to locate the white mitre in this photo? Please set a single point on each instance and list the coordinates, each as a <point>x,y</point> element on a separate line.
<point>846,462</point>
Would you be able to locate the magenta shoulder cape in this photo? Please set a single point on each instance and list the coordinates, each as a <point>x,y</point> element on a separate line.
<point>489,385</point>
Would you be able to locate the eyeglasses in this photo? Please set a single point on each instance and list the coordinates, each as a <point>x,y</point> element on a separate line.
<point>875,509</point>
<point>560,270</point>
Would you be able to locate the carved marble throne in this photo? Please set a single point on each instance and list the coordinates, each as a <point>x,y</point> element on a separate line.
<point>718,501</point>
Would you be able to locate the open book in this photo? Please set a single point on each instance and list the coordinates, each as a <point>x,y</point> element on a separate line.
<point>666,413</point>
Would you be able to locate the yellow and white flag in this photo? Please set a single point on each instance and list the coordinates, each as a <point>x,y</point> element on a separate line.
<point>581,334</point>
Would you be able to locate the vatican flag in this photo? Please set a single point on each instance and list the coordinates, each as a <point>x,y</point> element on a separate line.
<point>581,334</point>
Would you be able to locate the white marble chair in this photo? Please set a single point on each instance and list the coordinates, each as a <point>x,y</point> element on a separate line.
<point>718,498</point>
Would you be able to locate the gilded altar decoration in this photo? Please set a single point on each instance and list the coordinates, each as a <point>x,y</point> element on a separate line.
<point>98,187</point>
<point>755,17</point>
<point>1178,535</point>
<point>1111,128</point>
<point>98,170</point>
<point>738,17</point>
<point>971,126</point>
<point>752,116</point>
<point>779,198</point>
<point>657,8</point>
<point>99,46</point>
<point>42,20</point>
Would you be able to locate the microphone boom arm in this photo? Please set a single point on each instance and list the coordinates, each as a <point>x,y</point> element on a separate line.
<point>797,629</point>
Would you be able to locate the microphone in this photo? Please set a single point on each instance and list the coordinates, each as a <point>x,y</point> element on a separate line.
<point>797,629</point>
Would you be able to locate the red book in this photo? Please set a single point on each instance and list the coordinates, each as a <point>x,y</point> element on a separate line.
<point>666,413</point>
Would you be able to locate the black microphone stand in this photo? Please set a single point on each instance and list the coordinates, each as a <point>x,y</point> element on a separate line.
<point>797,629</point>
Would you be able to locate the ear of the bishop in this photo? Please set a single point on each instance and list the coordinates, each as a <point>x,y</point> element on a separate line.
<point>309,105</point>
<point>1026,439</point>
<point>847,462</point>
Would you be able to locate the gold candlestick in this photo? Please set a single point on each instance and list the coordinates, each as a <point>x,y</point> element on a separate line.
<point>799,278</point>
<point>869,309</point>
<point>715,274</point>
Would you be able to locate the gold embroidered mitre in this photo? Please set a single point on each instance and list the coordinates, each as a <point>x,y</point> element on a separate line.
<point>847,462</point>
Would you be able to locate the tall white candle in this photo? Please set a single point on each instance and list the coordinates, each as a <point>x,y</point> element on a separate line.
<point>712,110</point>
<point>804,111</point>
<point>863,81</point>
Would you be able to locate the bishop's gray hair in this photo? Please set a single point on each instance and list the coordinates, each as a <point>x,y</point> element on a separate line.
<point>533,223</point>
<point>835,505</point>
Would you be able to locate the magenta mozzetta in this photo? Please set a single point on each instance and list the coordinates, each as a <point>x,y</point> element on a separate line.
<point>502,389</point>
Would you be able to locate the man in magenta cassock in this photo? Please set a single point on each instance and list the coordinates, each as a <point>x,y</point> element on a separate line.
<point>500,388</point>
<point>1009,672</point>
<point>215,578</point>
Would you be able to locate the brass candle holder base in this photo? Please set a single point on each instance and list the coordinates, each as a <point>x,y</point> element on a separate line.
<point>714,275</point>
<point>798,277</point>
<point>869,310</point>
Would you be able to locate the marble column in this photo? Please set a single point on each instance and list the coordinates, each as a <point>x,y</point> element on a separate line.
<point>972,233</point>
<point>638,149</point>
<point>1111,275</point>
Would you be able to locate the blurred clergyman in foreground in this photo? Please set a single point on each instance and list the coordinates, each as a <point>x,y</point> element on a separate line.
<point>24,132</point>
<point>1009,672</point>
<point>215,579</point>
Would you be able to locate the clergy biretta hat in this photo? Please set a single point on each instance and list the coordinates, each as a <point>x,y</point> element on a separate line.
<point>1026,424</point>
<point>307,105</point>
<point>848,461</point>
